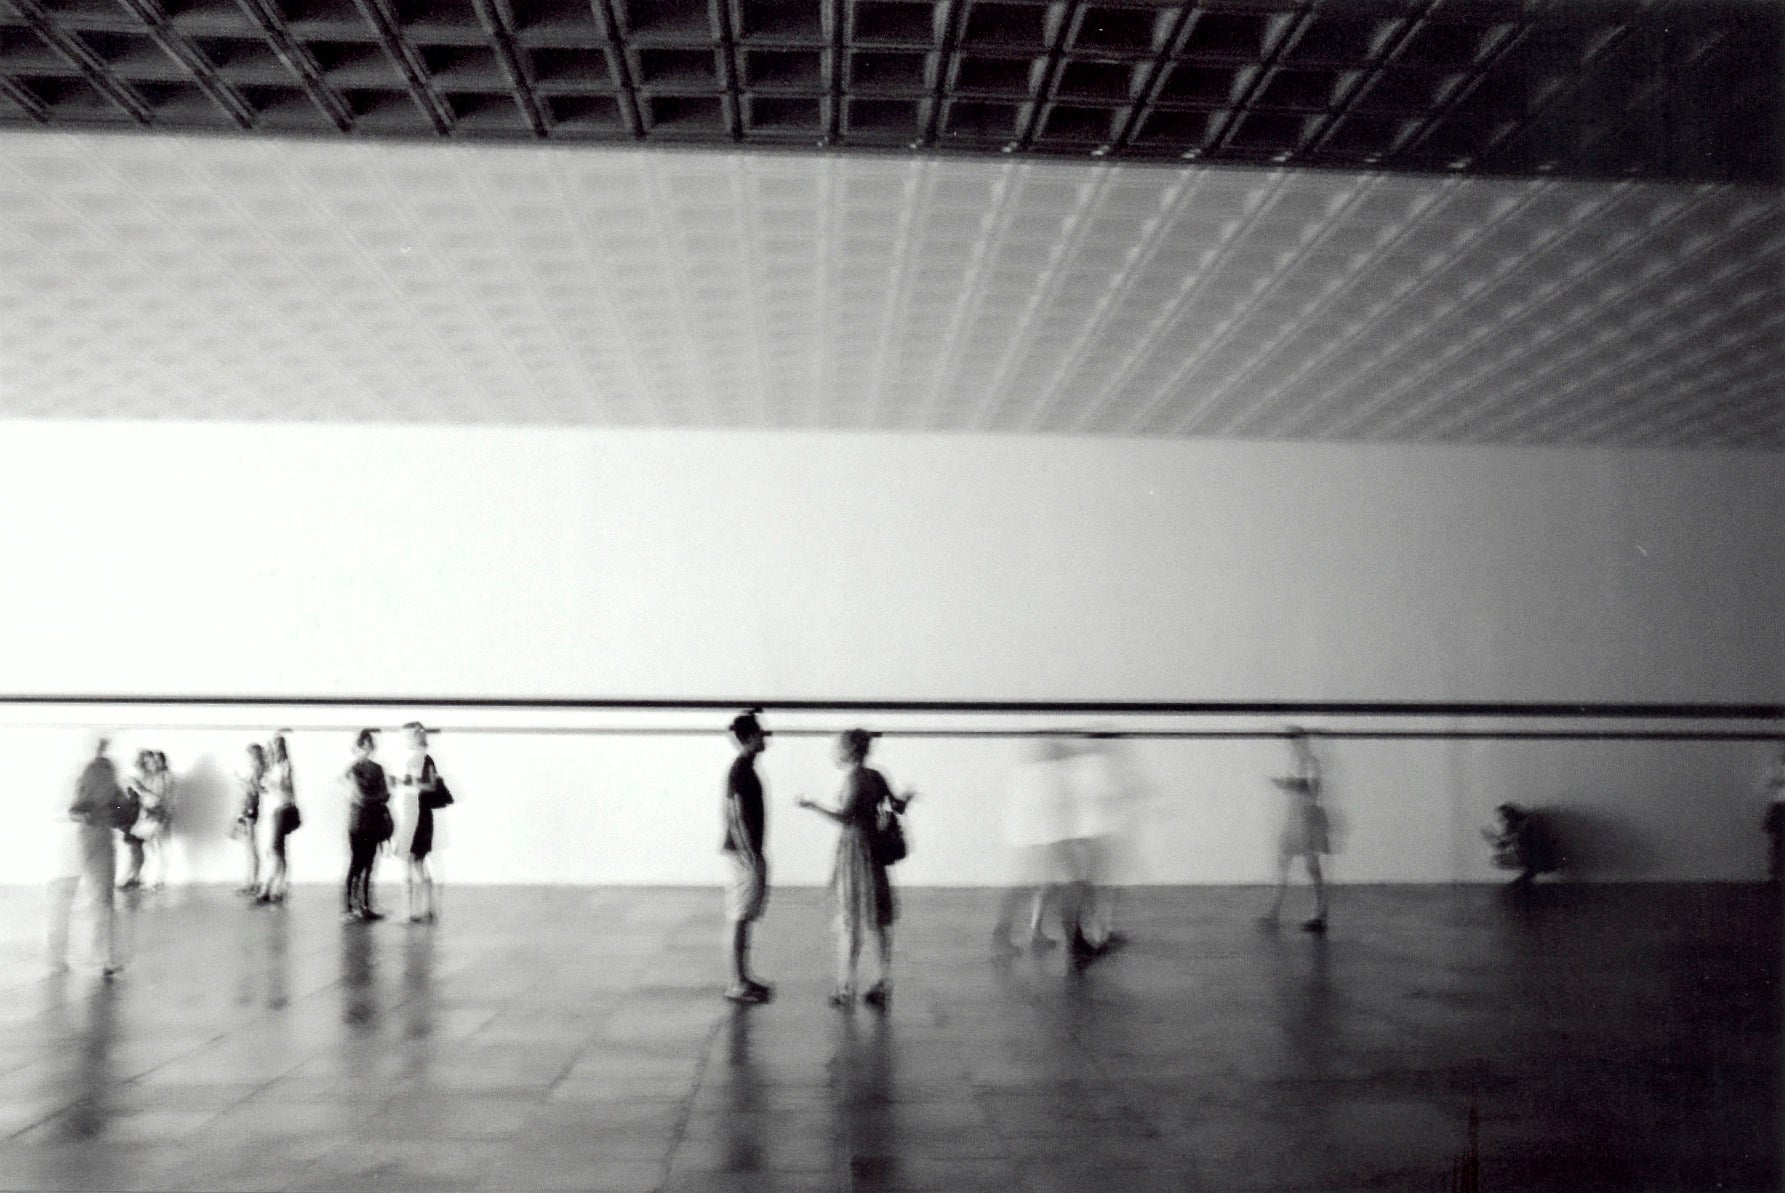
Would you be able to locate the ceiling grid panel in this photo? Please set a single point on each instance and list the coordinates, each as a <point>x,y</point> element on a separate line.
<point>1410,285</point>
<point>1437,392</point>
<point>1647,340</point>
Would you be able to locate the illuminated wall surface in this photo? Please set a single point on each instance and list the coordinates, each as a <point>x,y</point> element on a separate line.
<point>151,559</point>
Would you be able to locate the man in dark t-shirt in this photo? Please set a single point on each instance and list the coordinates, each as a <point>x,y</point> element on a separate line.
<point>745,820</point>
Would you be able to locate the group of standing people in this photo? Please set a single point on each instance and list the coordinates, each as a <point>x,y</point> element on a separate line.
<point>139,812</point>
<point>870,838</point>
<point>267,779</point>
<point>371,826</point>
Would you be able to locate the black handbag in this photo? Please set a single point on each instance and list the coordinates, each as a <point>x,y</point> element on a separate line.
<point>439,797</point>
<point>889,845</point>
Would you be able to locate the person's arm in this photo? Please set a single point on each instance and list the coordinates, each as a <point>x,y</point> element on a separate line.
<point>737,831</point>
<point>843,813</point>
<point>828,813</point>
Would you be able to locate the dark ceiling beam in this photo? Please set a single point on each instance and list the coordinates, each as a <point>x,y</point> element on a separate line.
<point>719,16</point>
<point>179,47</point>
<point>403,56</point>
<point>954,15</point>
<point>33,106</point>
<point>1042,93</point>
<point>91,65</point>
<point>498,26</point>
<point>625,86</point>
<point>299,62</point>
<point>1152,79</point>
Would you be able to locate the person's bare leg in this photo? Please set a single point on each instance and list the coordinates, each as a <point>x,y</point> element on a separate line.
<point>1270,917</point>
<point>427,890</point>
<point>1318,923</point>
<point>740,954</point>
<point>881,993</point>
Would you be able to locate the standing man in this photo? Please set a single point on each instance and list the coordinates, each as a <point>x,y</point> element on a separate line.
<point>748,890</point>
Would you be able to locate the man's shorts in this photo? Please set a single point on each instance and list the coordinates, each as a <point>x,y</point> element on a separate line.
<point>748,891</point>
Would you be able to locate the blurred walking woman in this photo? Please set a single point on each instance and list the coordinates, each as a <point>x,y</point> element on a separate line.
<point>864,894</point>
<point>368,825</point>
<point>247,826</point>
<point>283,790</point>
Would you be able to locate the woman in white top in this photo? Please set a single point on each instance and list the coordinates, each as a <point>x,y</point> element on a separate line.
<point>146,796</point>
<point>282,791</point>
<point>247,826</point>
<point>415,836</point>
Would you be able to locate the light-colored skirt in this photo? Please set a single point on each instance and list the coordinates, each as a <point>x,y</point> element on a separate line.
<point>864,895</point>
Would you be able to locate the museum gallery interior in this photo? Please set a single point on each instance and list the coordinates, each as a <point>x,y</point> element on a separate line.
<point>1289,491</point>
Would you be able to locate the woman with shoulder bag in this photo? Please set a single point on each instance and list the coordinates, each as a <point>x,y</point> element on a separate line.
<point>864,850</point>
<point>424,792</point>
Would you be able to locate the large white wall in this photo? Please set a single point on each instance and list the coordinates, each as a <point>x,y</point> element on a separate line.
<point>479,562</point>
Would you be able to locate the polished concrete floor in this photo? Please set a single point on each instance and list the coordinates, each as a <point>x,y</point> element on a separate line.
<point>560,1039</point>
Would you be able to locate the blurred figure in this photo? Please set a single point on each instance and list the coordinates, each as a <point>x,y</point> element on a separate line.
<point>157,844</point>
<point>422,792</point>
<point>369,826</point>
<point>746,826</point>
<point>1097,799</point>
<point>99,809</point>
<point>859,880</point>
<point>1522,841</point>
<point>1305,830</point>
<point>1037,829</point>
<point>145,793</point>
<point>286,819</point>
<point>1775,818</point>
<point>247,822</point>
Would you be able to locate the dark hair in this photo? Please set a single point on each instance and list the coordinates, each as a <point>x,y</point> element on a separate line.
<point>746,725</point>
<point>856,742</point>
<point>367,739</point>
<point>415,725</point>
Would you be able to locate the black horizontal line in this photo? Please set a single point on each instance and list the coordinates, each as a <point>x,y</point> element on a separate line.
<point>1701,735</point>
<point>1581,710</point>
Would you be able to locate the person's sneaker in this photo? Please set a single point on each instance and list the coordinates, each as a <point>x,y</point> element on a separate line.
<point>369,915</point>
<point>842,998</point>
<point>1317,924</point>
<point>352,917</point>
<point>763,988</point>
<point>745,994</point>
<point>113,970</point>
<point>878,996</point>
<point>1041,940</point>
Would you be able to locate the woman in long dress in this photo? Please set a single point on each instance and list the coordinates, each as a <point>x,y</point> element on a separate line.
<point>859,881</point>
